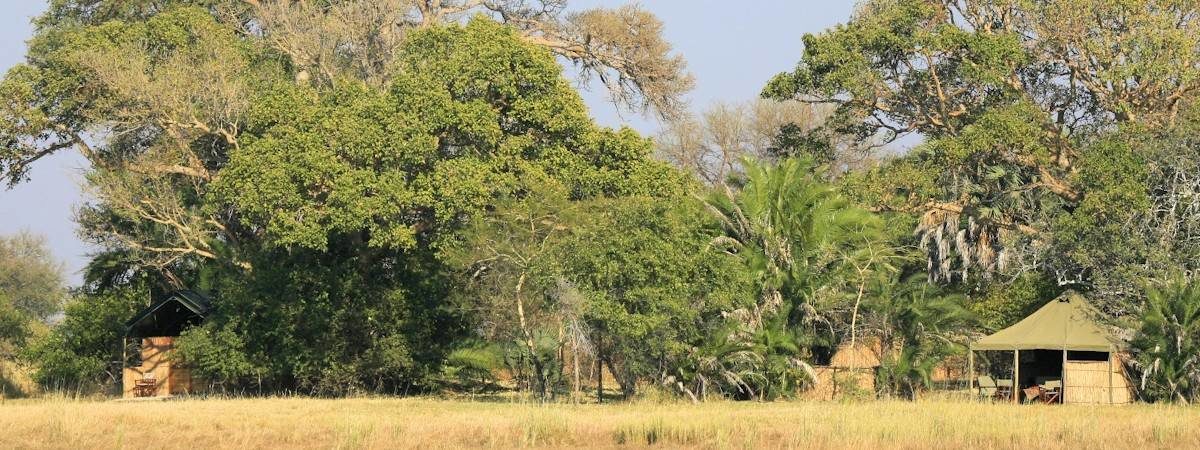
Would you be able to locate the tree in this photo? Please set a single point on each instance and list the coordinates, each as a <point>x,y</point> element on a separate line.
<point>32,290</point>
<point>1138,222</point>
<point>509,257</point>
<point>351,208</point>
<point>623,47</point>
<point>794,233</point>
<point>83,351</point>
<point>801,241</point>
<point>1009,96</point>
<point>712,145</point>
<point>1168,341</point>
<point>920,327</point>
<point>654,288</point>
<point>30,278</point>
<point>71,87</point>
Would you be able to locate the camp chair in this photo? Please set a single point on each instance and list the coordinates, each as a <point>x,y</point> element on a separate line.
<point>987,387</point>
<point>1004,389</point>
<point>1032,393</point>
<point>1052,391</point>
<point>145,387</point>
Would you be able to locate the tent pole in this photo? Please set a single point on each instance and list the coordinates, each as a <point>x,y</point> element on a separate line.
<point>124,360</point>
<point>970,372</point>
<point>1016,383</point>
<point>1062,389</point>
<point>1110,378</point>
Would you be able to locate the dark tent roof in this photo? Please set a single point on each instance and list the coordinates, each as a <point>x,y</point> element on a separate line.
<point>170,315</point>
<point>1066,323</point>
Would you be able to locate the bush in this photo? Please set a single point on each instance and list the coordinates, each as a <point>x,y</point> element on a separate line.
<point>216,355</point>
<point>473,369</point>
<point>1167,343</point>
<point>82,353</point>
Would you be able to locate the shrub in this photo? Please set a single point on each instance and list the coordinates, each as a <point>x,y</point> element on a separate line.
<point>1167,343</point>
<point>82,352</point>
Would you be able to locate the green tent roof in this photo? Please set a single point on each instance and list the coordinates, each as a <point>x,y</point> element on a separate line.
<point>1065,323</point>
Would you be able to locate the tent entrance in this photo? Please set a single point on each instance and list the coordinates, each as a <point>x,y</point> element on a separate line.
<point>1040,366</point>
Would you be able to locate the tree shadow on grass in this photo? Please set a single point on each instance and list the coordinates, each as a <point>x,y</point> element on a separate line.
<point>10,388</point>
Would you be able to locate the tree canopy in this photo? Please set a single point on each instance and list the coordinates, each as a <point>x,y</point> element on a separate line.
<point>410,196</point>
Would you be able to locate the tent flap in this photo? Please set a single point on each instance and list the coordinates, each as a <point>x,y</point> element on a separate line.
<point>1065,323</point>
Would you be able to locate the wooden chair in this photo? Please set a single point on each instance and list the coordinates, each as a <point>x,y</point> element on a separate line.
<point>987,387</point>
<point>1004,389</point>
<point>1052,392</point>
<point>145,387</point>
<point>1032,393</point>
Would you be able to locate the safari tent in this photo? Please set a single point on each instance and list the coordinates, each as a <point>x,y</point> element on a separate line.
<point>149,340</point>
<point>1060,354</point>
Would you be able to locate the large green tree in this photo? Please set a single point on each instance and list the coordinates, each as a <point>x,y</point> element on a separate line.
<point>656,290</point>
<point>32,289</point>
<point>1014,101</point>
<point>357,195</point>
<point>306,163</point>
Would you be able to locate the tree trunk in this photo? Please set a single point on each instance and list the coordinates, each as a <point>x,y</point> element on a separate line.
<point>539,375</point>
<point>575,370</point>
<point>854,322</point>
<point>599,372</point>
<point>628,389</point>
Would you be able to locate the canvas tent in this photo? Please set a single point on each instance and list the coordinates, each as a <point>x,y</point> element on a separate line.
<point>1062,339</point>
<point>149,370</point>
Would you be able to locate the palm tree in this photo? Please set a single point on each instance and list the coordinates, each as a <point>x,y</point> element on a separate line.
<point>1167,344</point>
<point>921,326</point>
<point>794,231</point>
<point>801,240</point>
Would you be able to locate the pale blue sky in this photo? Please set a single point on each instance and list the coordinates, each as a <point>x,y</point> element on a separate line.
<point>732,48</point>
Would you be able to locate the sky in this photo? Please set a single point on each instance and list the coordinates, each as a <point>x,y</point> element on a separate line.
<point>732,49</point>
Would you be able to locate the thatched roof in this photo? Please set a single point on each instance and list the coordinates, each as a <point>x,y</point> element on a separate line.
<point>864,355</point>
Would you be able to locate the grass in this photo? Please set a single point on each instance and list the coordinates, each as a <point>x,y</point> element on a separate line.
<point>14,380</point>
<point>429,423</point>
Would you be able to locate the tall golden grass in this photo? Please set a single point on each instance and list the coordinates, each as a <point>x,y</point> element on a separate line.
<point>14,380</point>
<point>429,423</point>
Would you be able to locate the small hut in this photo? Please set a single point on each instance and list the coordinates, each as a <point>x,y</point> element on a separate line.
<point>149,370</point>
<point>1062,346</point>
<point>850,367</point>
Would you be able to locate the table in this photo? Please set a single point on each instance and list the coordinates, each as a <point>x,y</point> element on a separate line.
<point>145,387</point>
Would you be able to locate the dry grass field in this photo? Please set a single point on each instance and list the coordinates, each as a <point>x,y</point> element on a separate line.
<point>428,423</point>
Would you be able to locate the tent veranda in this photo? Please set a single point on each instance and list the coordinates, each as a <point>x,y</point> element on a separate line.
<point>1066,324</point>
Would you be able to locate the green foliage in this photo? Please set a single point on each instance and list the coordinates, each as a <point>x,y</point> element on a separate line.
<point>31,281</point>
<point>328,323</point>
<point>472,369</point>
<point>216,355</point>
<point>31,292</point>
<point>925,325</point>
<point>998,305</point>
<point>83,351</point>
<point>781,372</point>
<point>806,248</point>
<point>363,196</point>
<point>655,288</point>
<point>472,114</point>
<point>14,326</point>
<point>1035,118</point>
<point>799,238</point>
<point>1167,343</point>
